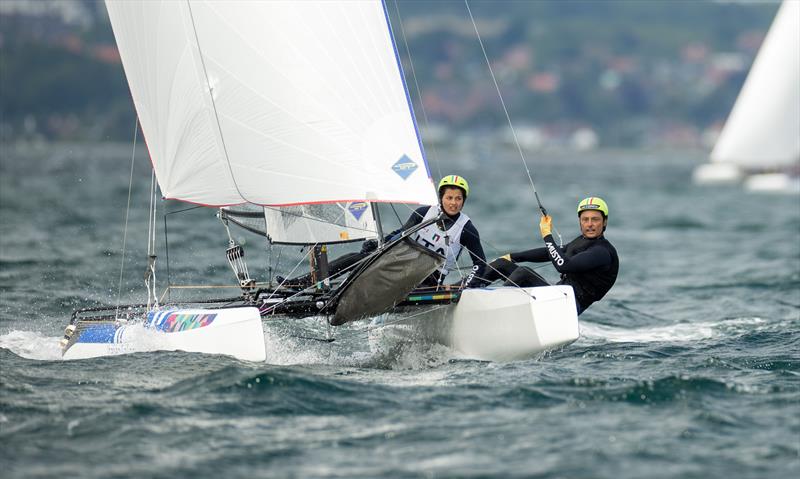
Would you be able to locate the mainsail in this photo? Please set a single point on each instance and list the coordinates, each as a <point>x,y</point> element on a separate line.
<point>271,103</point>
<point>763,129</point>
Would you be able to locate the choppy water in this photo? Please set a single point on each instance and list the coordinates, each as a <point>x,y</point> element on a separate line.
<point>689,368</point>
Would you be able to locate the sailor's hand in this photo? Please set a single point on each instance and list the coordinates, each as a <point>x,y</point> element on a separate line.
<point>545,225</point>
<point>506,257</point>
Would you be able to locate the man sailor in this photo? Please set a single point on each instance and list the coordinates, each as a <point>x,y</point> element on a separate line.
<point>589,263</point>
<point>448,237</point>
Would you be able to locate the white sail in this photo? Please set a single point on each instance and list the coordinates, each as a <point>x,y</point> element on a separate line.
<point>306,224</point>
<point>763,129</point>
<point>271,103</point>
<point>328,223</point>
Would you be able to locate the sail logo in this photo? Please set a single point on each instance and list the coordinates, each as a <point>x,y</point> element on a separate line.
<point>404,167</point>
<point>357,209</point>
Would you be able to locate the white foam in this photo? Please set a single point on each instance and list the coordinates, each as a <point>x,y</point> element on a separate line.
<point>35,345</point>
<point>359,344</point>
<point>32,345</point>
<point>681,332</point>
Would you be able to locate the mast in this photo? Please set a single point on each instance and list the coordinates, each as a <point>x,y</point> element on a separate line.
<point>377,215</point>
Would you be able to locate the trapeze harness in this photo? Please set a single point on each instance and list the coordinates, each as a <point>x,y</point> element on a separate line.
<point>446,243</point>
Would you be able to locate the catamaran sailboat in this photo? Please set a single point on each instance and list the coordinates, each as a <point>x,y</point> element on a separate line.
<point>294,121</point>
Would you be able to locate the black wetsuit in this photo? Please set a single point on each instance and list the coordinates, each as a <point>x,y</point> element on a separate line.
<point>590,266</point>
<point>470,240</point>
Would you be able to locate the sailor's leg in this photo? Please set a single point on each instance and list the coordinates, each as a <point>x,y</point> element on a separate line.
<point>525,277</point>
<point>499,269</point>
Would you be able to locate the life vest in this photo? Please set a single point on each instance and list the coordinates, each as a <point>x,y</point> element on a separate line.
<point>446,243</point>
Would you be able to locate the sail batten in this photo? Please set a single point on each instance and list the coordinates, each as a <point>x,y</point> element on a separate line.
<point>271,103</point>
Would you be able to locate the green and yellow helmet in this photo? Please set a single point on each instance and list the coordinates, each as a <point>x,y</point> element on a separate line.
<point>454,181</point>
<point>593,203</point>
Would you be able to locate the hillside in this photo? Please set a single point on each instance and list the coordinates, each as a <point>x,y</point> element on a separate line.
<point>631,72</point>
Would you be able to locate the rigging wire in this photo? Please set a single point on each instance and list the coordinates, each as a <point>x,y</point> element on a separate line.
<point>505,110</point>
<point>127,212</point>
<point>508,117</point>
<point>499,94</point>
<point>166,246</point>
<point>396,214</point>
<point>313,285</point>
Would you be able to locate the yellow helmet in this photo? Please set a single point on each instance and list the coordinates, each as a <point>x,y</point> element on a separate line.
<point>593,203</point>
<point>454,181</point>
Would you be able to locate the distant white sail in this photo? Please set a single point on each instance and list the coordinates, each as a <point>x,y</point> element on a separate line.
<point>271,103</point>
<point>763,129</point>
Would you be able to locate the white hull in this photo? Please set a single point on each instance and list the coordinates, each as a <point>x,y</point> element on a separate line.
<point>233,332</point>
<point>773,183</point>
<point>761,132</point>
<point>498,324</point>
<point>717,173</point>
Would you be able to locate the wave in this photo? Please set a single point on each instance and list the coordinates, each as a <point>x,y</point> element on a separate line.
<point>664,389</point>
<point>681,223</point>
<point>773,283</point>
<point>681,332</point>
<point>288,343</point>
<point>673,333</point>
<point>32,345</point>
<point>668,388</point>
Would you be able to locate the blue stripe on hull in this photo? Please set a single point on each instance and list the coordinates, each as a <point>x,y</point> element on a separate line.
<point>104,333</point>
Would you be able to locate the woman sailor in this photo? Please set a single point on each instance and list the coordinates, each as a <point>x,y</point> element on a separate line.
<point>450,236</point>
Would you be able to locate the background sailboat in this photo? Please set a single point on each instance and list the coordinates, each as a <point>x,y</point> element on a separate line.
<point>762,134</point>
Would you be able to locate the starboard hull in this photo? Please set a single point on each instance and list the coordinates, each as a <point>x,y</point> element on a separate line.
<point>496,324</point>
